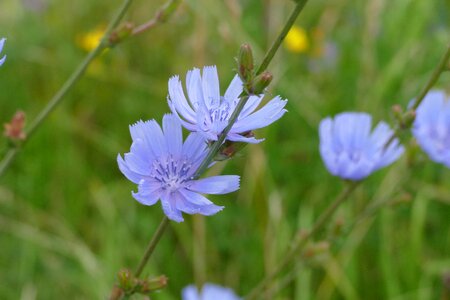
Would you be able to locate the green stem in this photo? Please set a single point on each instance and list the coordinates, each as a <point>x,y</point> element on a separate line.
<point>59,96</point>
<point>152,245</point>
<point>440,68</point>
<point>244,97</point>
<point>301,243</point>
<point>216,145</point>
<point>276,44</point>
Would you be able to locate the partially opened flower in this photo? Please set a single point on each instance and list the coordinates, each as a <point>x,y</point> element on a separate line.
<point>2,43</point>
<point>163,167</point>
<point>431,127</point>
<point>209,292</point>
<point>208,112</point>
<point>351,150</point>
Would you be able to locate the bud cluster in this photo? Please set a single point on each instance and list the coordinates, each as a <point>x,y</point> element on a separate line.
<point>254,84</point>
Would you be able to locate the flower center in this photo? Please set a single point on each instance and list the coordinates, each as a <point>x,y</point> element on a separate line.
<point>172,174</point>
<point>221,112</point>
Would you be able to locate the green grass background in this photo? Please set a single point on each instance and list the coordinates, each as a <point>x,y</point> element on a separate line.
<point>68,222</point>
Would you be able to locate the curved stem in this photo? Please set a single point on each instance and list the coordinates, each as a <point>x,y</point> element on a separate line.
<point>152,245</point>
<point>440,68</point>
<point>276,44</point>
<point>59,96</point>
<point>301,243</point>
<point>244,96</point>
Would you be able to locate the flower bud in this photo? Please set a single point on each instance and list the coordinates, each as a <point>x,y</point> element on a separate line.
<point>14,130</point>
<point>408,119</point>
<point>126,280</point>
<point>123,32</point>
<point>245,63</point>
<point>262,81</point>
<point>397,111</point>
<point>152,284</point>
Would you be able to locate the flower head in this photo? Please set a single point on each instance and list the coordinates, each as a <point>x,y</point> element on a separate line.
<point>351,151</point>
<point>432,126</point>
<point>208,113</point>
<point>209,292</point>
<point>2,43</point>
<point>163,167</point>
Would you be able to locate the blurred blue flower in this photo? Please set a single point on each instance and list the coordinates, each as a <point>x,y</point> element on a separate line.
<point>163,166</point>
<point>209,292</point>
<point>431,127</point>
<point>351,151</point>
<point>208,112</point>
<point>2,43</point>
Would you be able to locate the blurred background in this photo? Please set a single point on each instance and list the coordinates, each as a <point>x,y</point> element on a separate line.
<point>68,221</point>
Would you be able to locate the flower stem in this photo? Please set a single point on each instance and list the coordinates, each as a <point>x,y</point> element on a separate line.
<point>244,96</point>
<point>440,68</point>
<point>59,96</point>
<point>152,245</point>
<point>301,243</point>
<point>276,44</point>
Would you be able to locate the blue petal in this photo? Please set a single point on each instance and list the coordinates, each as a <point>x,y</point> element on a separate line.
<point>189,126</point>
<point>177,98</point>
<point>239,138</point>
<point>173,134</point>
<point>233,91</point>
<point>2,43</point>
<point>194,88</point>
<point>151,133</point>
<point>216,292</point>
<point>190,293</point>
<point>149,192</point>
<point>194,147</point>
<point>211,88</point>
<point>187,207</point>
<point>132,176</point>
<point>252,103</point>
<point>137,165</point>
<point>215,185</point>
<point>169,208</point>
<point>194,197</point>
<point>430,108</point>
<point>270,113</point>
<point>351,128</point>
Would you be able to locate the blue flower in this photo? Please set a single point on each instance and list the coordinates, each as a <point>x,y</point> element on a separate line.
<point>209,292</point>
<point>431,127</point>
<point>351,151</point>
<point>2,43</point>
<point>208,112</point>
<point>163,166</point>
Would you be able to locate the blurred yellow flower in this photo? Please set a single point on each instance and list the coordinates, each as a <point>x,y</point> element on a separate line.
<point>90,40</point>
<point>296,40</point>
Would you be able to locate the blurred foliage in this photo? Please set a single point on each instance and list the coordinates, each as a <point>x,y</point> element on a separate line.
<point>68,222</point>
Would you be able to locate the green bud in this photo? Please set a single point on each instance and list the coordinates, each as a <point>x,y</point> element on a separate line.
<point>123,32</point>
<point>126,280</point>
<point>397,111</point>
<point>245,63</point>
<point>261,82</point>
<point>146,286</point>
<point>408,119</point>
